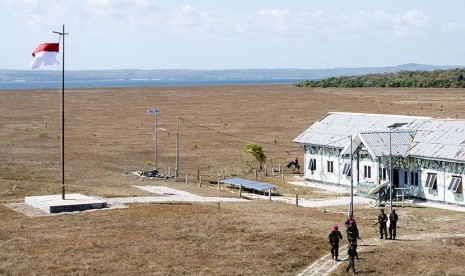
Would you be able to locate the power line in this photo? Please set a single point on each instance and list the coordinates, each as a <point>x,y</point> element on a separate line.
<point>237,137</point>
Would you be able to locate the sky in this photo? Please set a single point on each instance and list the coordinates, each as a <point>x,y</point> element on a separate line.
<point>239,34</point>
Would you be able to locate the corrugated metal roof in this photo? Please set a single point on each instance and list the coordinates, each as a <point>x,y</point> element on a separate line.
<point>396,142</point>
<point>442,139</point>
<point>335,128</point>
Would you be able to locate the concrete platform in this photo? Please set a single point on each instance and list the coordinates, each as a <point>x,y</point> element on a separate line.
<point>71,203</point>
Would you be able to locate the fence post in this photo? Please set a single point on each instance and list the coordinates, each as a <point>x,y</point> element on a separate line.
<point>187,179</point>
<point>198,174</point>
<point>219,187</point>
<point>200,181</point>
<point>282,175</point>
<point>269,193</point>
<point>256,177</point>
<point>272,172</point>
<point>169,172</point>
<point>240,190</point>
<point>266,170</point>
<point>176,174</point>
<point>222,174</point>
<point>296,200</point>
<point>279,167</point>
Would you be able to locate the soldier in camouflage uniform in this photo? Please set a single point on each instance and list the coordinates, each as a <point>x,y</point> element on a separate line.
<point>393,224</point>
<point>333,239</point>
<point>352,236</point>
<point>382,220</point>
<point>351,218</point>
<point>352,253</point>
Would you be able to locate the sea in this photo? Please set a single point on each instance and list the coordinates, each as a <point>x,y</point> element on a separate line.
<point>23,85</point>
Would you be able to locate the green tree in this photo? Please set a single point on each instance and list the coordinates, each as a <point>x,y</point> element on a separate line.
<point>257,151</point>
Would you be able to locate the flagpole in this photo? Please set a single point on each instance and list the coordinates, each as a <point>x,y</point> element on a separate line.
<point>62,114</point>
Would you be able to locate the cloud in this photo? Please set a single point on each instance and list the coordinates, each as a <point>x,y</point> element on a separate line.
<point>189,22</point>
<point>274,19</point>
<point>415,18</point>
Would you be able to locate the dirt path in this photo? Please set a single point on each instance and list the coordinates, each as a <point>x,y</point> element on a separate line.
<point>325,265</point>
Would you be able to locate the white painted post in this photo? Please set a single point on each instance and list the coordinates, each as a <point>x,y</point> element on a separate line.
<point>269,193</point>
<point>222,174</point>
<point>282,176</point>
<point>169,172</point>
<point>200,181</point>
<point>187,179</point>
<point>219,187</point>
<point>279,167</point>
<point>272,172</point>
<point>240,190</point>
<point>266,170</point>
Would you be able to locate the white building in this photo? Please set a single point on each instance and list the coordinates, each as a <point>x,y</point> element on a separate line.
<point>427,154</point>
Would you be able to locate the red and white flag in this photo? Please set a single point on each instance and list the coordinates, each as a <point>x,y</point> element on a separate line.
<point>45,54</point>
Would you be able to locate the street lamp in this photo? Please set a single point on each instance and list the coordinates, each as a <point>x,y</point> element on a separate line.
<point>351,207</point>
<point>155,112</point>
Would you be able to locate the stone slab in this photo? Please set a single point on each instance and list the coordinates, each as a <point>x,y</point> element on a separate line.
<point>71,203</point>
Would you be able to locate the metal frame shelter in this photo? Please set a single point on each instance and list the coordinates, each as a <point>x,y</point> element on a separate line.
<point>249,184</point>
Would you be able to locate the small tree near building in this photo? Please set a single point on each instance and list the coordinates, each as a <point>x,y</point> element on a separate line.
<point>257,151</point>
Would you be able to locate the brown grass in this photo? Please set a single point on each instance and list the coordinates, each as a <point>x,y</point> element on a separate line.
<point>108,133</point>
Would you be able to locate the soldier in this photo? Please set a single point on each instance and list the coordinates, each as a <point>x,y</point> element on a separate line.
<point>352,236</point>
<point>333,239</point>
<point>393,224</point>
<point>351,217</point>
<point>351,252</point>
<point>382,220</point>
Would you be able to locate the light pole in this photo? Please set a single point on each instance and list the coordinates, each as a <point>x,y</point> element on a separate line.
<point>390,169</point>
<point>155,112</point>
<point>351,180</point>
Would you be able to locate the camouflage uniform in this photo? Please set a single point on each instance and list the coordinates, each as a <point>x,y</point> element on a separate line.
<point>352,236</point>
<point>351,252</point>
<point>393,224</point>
<point>333,239</point>
<point>382,220</point>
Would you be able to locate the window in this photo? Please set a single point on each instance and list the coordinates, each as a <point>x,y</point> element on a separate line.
<point>330,166</point>
<point>431,181</point>
<point>455,184</point>
<point>367,171</point>
<point>312,165</point>
<point>414,178</point>
<point>347,169</point>
<point>383,174</point>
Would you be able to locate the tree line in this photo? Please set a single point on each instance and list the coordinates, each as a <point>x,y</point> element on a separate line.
<point>453,78</point>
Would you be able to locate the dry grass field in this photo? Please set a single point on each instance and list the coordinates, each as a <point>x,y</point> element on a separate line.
<point>108,133</point>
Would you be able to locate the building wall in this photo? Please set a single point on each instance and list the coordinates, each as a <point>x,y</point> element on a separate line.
<point>322,173</point>
<point>444,172</point>
<point>405,165</point>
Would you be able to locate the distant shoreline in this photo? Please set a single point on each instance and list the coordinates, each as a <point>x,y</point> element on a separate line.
<point>41,79</point>
<point>33,85</point>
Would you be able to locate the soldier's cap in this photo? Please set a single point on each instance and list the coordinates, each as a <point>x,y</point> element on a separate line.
<point>393,210</point>
<point>335,228</point>
<point>351,222</point>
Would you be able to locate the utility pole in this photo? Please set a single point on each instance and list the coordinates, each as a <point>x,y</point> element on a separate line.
<point>176,173</point>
